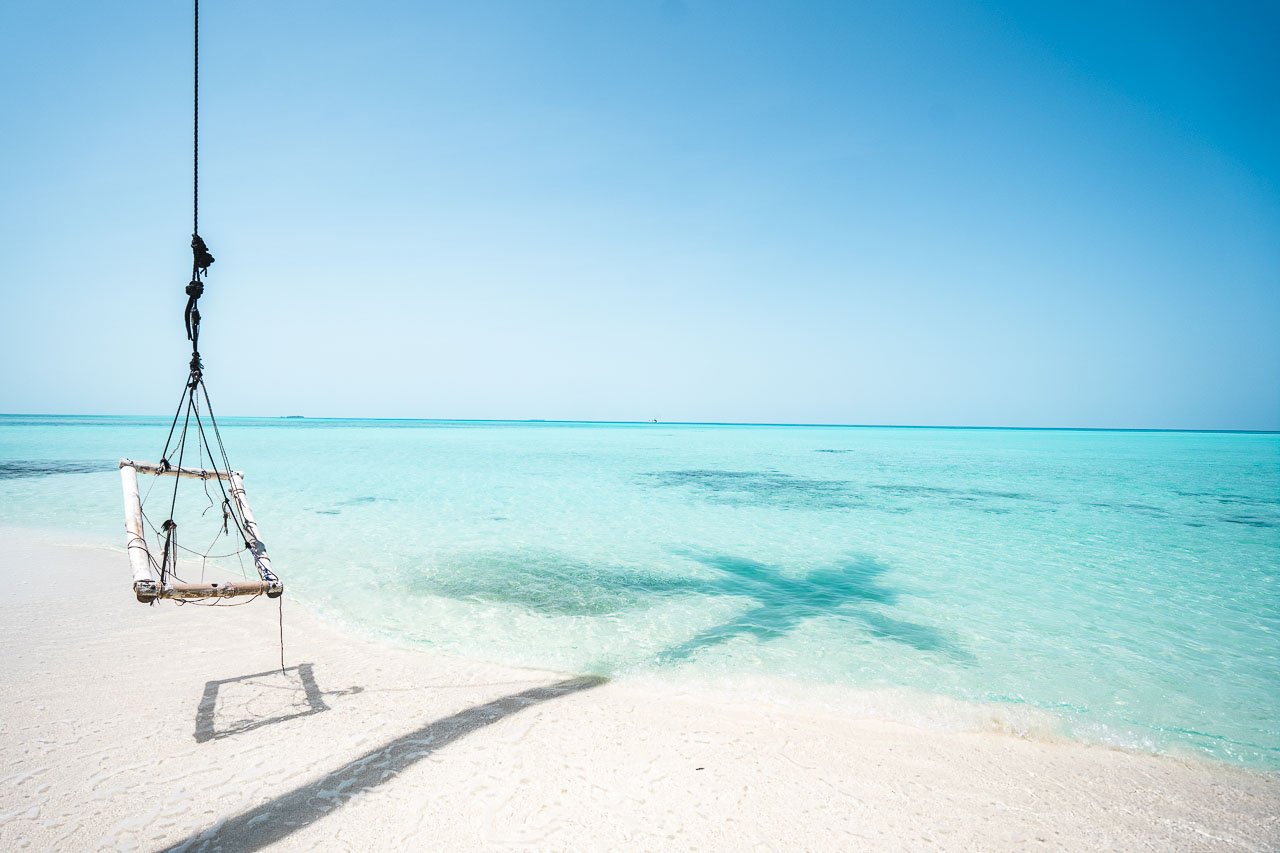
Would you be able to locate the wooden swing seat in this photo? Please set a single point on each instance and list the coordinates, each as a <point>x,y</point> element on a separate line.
<point>147,585</point>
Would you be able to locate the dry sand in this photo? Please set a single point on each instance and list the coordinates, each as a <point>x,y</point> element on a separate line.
<point>132,727</point>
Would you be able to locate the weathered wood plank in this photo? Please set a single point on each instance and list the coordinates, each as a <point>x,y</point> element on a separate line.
<point>229,589</point>
<point>175,471</point>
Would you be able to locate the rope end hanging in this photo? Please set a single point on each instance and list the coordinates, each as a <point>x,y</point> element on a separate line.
<point>201,259</point>
<point>191,317</point>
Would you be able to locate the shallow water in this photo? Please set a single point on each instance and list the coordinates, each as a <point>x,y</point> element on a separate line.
<point>1122,582</point>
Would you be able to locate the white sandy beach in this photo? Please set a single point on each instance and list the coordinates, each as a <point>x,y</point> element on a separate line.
<point>130,727</point>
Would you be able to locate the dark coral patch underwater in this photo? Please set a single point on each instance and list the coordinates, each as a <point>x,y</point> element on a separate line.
<point>765,488</point>
<point>15,469</point>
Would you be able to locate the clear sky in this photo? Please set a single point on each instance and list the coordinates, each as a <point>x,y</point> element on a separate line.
<point>854,212</point>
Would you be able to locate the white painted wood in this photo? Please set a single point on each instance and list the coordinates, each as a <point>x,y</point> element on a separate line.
<point>139,557</point>
<point>256,545</point>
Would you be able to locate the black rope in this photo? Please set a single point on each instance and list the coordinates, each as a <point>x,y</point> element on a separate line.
<point>200,257</point>
<point>280,600</point>
<point>169,563</point>
<point>164,455</point>
<point>241,525</point>
<point>195,123</point>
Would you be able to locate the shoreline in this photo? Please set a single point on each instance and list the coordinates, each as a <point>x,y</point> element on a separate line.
<point>127,726</point>
<point>928,713</point>
<point>924,713</point>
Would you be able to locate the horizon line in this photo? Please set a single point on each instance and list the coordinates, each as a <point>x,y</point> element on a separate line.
<point>568,421</point>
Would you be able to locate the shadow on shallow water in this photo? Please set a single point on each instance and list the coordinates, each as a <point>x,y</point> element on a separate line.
<point>852,591</point>
<point>783,601</point>
<point>551,583</point>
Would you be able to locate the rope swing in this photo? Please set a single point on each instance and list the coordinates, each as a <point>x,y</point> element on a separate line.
<point>158,577</point>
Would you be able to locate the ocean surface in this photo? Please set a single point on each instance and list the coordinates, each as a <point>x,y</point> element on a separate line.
<point>1118,587</point>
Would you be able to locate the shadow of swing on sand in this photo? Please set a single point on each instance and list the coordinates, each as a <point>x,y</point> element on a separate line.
<point>232,706</point>
<point>293,810</point>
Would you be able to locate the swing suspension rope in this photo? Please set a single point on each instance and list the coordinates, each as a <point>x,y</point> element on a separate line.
<point>194,404</point>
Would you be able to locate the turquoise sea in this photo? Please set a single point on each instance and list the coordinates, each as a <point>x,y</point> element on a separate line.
<point>1109,586</point>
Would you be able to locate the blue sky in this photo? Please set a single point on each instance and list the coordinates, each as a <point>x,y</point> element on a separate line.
<point>928,213</point>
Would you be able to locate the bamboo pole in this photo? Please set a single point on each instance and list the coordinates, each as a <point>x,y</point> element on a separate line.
<point>228,589</point>
<point>145,582</point>
<point>256,545</point>
<point>174,471</point>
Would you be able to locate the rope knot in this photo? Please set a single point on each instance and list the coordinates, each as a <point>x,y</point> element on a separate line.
<point>201,253</point>
<point>197,371</point>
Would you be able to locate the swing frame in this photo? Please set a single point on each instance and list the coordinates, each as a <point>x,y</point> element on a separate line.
<point>156,579</point>
<point>147,586</point>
